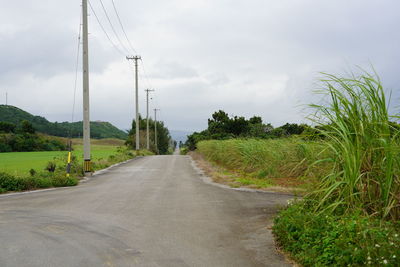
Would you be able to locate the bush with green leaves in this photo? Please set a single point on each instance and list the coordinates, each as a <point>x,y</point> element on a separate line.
<point>51,166</point>
<point>326,239</point>
<point>10,182</point>
<point>32,172</point>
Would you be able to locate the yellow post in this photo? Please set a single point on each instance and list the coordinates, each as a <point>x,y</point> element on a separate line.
<point>69,163</point>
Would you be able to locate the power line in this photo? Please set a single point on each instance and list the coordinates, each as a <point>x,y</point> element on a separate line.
<point>112,27</point>
<point>76,69</point>
<point>145,75</point>
<point>105,32</point>
<point>123,30</point>
<point>74,99</point>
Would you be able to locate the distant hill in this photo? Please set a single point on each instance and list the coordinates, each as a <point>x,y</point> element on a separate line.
<point>98,129</point>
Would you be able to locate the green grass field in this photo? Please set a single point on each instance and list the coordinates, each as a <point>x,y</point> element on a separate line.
<point>21,162</point>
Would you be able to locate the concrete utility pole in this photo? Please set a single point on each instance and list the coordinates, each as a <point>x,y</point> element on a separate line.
<point>155,129</point>
<point>147,117</point>
<point>136,58</point>
<point>86,110</point>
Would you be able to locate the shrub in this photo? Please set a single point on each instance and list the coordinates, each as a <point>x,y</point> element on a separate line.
<point>32,172</point>
<point>326,239</point>
<point>184,150</point>
<point>62,180</point>
<point>51,166</point>
<point>44,180</point>
<point>9,182</point>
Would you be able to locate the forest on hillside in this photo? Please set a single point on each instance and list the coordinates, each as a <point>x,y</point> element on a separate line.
<point>99,129</point>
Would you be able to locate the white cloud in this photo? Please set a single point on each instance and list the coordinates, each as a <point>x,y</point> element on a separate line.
<point>253,57</point>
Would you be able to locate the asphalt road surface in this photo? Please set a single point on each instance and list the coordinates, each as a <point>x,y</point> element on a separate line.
<point>152,211</point>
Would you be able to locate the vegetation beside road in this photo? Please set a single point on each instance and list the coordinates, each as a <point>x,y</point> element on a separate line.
<point>165,144</point>
<point>21,171</point>
<point>10,182</point>
<point>223,127</point>
<point>350,217</point>
<point>336,239</point>
<point>270,162</point>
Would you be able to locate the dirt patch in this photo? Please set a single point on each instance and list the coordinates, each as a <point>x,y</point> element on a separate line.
<point>221,175</point>
<point>216,173</point>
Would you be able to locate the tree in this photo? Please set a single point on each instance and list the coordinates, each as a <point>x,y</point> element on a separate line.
<point>238,126</point>
<point>219,123</point>
<point>7,127</point>
<point>255,120</point>
<point>293,128</point>
<point>163,136</point>
<point>27,127</point>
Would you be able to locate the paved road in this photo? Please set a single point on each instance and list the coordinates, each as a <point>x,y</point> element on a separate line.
<point>152,211</point>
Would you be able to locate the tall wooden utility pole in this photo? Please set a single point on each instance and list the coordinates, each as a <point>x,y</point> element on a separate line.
<point>136,58</point>
<point>147,118</point>
<point>86,110</point>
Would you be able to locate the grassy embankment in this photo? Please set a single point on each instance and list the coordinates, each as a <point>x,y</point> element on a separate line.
<point>272,163</point>
<point>29,170</point>
<point>352,216</point>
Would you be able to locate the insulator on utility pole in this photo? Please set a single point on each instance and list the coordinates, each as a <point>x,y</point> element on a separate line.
<point>136,58</point>
<point>147,118</point>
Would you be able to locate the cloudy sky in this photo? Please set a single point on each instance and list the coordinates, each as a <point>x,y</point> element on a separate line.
<point>247,57</point>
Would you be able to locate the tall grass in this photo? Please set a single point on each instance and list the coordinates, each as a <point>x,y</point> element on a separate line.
<point>364,145</point>
<point>272,158</point>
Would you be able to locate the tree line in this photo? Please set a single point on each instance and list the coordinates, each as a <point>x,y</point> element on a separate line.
<point>164,141</point>
<point>23,138</point>
<point>98,129</point>
<point>222,126</point>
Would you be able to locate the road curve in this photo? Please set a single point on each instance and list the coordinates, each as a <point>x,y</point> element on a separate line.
<point>152,211</point>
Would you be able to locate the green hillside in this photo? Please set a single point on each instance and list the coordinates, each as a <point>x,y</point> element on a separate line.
<point>98,129</point>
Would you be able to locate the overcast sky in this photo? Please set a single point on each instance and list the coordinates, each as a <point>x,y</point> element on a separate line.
<point>247,57</point>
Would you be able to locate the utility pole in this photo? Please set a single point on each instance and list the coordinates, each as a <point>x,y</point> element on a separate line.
<point>86,111</point>
<point>155,129</point>
<point>136,58</point>
<point>6,98</point>
<point>147,117</point>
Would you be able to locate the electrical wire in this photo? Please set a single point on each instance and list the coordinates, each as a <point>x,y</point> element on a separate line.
<point>112,27</point>
<point>123,29</point>
<point>74,99</point>
<point>154,98</point>
<point>145,75</point>
<point>104,30</point>
<point>76,73</point>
